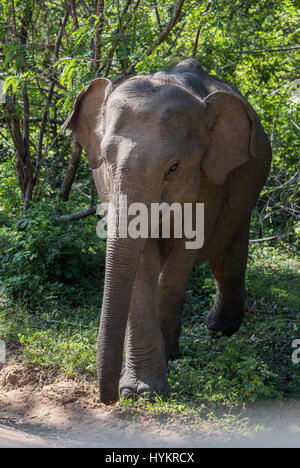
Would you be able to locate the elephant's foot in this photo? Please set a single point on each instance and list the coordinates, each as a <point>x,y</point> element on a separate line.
<point>132,385</point>
<point>227,322</point>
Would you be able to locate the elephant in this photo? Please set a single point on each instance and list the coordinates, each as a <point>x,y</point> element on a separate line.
<point>174,136</point>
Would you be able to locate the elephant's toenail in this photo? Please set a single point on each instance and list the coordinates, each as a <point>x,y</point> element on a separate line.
<point>127,393</point>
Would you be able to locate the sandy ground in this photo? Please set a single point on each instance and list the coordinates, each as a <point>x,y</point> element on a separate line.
<point>40,410</point>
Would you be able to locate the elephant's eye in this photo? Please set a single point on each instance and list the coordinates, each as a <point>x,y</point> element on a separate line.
<point>174,166</point>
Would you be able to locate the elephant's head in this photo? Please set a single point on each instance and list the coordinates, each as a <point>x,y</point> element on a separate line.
<point>155,140</point>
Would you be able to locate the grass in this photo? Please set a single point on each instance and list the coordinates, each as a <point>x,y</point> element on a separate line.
<point>214,376</point>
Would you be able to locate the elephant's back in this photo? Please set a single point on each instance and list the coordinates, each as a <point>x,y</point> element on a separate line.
<point>191,75</point>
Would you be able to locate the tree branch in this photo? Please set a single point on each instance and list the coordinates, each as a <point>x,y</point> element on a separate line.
<point>157,16</point>
<point>98,30</point>
<point>199,28</point>
<point>257,51</point>
<point>86,8</point>
<point>74,14</point>
<point>71,171</point>
<point>78,214</point>
<point>109,57</point>
<point>46,108</point>
<point>162,36</point>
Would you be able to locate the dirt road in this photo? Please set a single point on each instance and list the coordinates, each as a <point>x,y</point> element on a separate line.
<point>38,410</point>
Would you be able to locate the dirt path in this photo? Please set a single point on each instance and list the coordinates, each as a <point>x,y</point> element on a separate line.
<point>38,410</point>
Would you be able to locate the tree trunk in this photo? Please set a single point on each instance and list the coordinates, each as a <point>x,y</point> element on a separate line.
<point>71,171</point>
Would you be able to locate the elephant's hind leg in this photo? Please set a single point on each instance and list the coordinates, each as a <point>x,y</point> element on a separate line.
<point>229,271</point>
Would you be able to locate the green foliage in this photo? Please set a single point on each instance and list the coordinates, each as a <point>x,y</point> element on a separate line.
<point>251,44</point>
<point>50,257</point>
<point>9,189</point>
<point>56,338</point>
<point>73,355</point>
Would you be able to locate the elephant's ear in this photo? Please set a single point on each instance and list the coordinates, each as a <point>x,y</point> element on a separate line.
<point>232,125</point>
<point>85,117</point>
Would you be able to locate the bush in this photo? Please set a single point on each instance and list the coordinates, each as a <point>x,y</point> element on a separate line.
<point>50,257</point>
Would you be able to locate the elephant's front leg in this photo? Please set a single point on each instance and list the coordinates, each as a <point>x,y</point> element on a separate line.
<point>145,369</point>
<point>173,279</point>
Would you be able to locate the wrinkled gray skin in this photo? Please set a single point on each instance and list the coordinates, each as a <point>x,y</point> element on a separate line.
<point>141,128</point>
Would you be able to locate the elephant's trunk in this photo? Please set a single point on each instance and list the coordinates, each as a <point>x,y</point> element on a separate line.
<point>122,260</point>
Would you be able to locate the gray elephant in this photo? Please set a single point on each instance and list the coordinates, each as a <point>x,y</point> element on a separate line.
<point>176,136</point>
